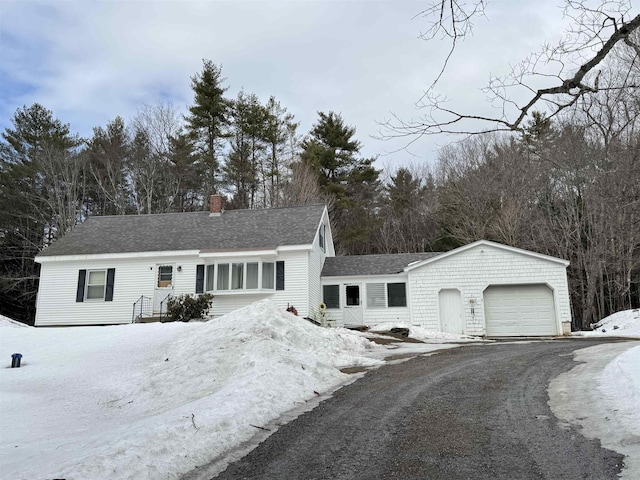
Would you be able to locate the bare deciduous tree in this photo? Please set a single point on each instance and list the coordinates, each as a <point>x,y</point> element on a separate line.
<point>570,70</point>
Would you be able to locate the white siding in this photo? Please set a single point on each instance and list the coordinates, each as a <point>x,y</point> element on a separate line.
<point>295,291</point>
<point>472,271</point>
<point>316,262</point>
<point>371,316</point>
<point>133,277</point>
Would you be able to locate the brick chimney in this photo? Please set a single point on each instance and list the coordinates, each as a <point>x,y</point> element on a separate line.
<point>216,205</point>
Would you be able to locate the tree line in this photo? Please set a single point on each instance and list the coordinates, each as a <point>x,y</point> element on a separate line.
<point>567,186</point>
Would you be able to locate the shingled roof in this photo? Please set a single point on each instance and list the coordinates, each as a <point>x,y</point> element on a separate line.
<point>355,265</point>
<point>232,230</point>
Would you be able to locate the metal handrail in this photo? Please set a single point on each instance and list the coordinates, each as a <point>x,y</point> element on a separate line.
<point>162,302</point>
<point>143,304</point>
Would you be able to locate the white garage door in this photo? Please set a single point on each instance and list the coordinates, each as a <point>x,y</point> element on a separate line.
<point>519,310</point>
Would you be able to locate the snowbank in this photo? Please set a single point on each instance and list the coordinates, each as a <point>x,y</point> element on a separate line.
<point>156,400</point>
<point>602,395</point>
<point>620,324</point>
<point>423,334</point>
<point>8,322</point>
<point>620,387</point>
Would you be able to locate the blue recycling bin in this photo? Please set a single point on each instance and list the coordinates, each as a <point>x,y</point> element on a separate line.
<point>15,360</point>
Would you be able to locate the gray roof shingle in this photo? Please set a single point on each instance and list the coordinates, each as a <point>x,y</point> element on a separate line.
<point>233,230</point>
<point>355,265</point>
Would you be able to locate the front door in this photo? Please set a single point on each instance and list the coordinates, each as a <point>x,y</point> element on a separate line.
<point>164,287</point>
<point>353,305</point>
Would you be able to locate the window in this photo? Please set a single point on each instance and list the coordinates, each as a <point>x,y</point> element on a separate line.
<point>331,296</point>
<point>397,294</point>
<point>165,276</point>
<point>252,276</point>
<point>353,295</point>
<point>237,276</point>
<point>375,295</point>
<point>96,282</point>
<point>321,237</point>
<point>223,277</point>
<point>210,277</point>
<point>245,276</point>
<point>95,285</point>
<point>268,275</point>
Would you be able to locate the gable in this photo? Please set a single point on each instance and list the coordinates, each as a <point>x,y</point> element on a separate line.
<point>497,247</point>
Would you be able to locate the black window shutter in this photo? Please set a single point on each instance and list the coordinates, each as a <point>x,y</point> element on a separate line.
<point>280,275</point>
<point>108,293</point>
<point>82,278</point>
<point>199,278</point>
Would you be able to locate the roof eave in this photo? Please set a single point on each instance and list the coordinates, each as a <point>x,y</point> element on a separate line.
<point>114,256</point>
<point>488,243</point>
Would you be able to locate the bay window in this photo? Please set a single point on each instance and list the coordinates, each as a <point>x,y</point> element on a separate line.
<point>242,276</point>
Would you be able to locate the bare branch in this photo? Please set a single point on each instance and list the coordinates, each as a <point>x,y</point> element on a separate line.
<point>595,34</point>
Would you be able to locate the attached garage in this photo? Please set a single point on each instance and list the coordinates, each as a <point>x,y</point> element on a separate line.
<point>519,310</point>
<point>489,289</point>
<point>480,289</point>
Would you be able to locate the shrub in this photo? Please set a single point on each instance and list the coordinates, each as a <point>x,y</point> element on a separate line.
<point>187,307</point>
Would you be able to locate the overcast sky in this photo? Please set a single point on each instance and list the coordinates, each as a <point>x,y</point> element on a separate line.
<point>89,61</point>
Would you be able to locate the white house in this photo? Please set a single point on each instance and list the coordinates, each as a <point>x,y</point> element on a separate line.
<point>114,269</point>
<point>483,288</point>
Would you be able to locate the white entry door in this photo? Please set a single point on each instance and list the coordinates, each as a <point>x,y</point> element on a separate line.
<point>450,302</point>
<point>353,305</point>
<point>164,287</point>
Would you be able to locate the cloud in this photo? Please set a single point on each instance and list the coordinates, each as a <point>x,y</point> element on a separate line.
<point>92,61</point>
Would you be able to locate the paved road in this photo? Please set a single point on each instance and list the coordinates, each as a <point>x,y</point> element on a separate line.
<point>478,412</point>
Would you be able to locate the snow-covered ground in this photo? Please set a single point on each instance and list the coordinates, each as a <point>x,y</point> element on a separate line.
<point>620,324</point>
<point>158,400</point>
<point>8,322</point>
<point>602,394</point>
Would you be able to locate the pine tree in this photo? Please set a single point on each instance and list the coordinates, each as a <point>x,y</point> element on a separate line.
<point>247,149</point>
<point>282,145</point>
<point>208,121</point>
<point>41,185</point>
<point>352,183</point>
<point>109,152</point>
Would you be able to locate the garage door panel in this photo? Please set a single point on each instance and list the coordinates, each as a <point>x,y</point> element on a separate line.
<point>519,310</point>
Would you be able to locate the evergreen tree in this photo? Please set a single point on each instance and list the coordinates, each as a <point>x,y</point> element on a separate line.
<point>185,174</point>
<point>247,149</point>
<point>208,121</point>
<point>109,153</point>
<point>41,185</point>
<point>282,145</point>
<point>351,182</point>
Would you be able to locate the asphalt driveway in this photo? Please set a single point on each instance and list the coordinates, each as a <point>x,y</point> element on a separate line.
<point>478,412</point>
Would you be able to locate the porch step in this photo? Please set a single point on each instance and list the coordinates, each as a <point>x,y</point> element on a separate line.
<point>152,319</point>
